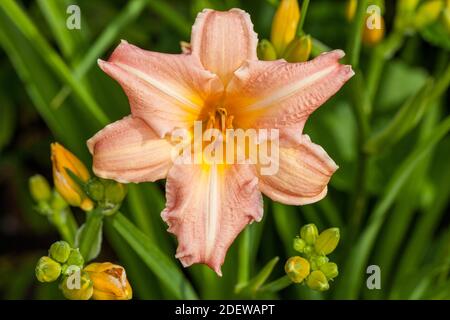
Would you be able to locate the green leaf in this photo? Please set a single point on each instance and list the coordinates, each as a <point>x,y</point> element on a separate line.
<point>163,267</point>
<point>251,287</point>
<point>349,283</point>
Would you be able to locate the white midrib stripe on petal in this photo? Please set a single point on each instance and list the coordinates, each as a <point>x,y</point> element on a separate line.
<point>211,210</point>
<point>289,90</point>
<point>159,85</point>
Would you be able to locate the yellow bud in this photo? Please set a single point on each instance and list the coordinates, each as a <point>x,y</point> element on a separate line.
<point>317,281</point>
<point>330,270</point>
<point>350,9</point>
<point>39,188</point>
<point>74,289</point>
<point>327,241</point>
<point>69,189</point>
<point>297,269</point>
<point>284,25</point>
<point>299,49</point>
<point>406,6</point>
<point>110,281</point>
<point>47,269</point>
<point>309,233</point>
<point>266,51</point>
<point>428,12</point>
<point>373,34</point>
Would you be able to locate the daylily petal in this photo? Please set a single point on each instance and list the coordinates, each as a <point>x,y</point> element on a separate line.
<point>223,41</point>
<point>128,150</point>
<point>166,90</point>
<point>207,207</point>
<point>303,174</point>
<point>277,94</point>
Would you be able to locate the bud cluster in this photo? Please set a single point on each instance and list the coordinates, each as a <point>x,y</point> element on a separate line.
<point>314,268</point>
<point>284,42</point>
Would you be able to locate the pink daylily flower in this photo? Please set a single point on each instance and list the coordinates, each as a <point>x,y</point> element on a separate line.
<point>209,205</point>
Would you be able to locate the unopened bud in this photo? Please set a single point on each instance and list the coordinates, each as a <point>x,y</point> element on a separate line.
<point>330,270</point>
<point>299,244</point>
<point>115,192</point>
<point>428,12</point>
<point>39,188</point>
<point>299,49</point>
<point>266,51</point>
<point>327,241</point>
<point>309,233</point>
<point>77,286</point>
<point>62,161</point>
<point>284,25</point>
<point>59,251</point>
<point>95,189</point>
<point>47,269</point>
<point>350,9</point>
<point>373,33</point>
<point>317,281</point>
<point>75,258</point>
<point>297,269</point>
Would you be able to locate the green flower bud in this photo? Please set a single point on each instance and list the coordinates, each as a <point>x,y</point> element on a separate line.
<point>75,258</point>
<point>59,251</point>
<point>309,233</point>
<point>47,269</point>
<point>428,12</point>
<point>77,289</point>
<point>266,51</point>
<point>95,189</point>
<point>317,261</point>
<point>299,49</point>
<point>299,244</point>
<point>308,251</point>
<point>327,241</point>
<point>115,192</point>
<point>330,270</point>
<point>39,188</point>
<point>297,269</point>
<point>317,281</point>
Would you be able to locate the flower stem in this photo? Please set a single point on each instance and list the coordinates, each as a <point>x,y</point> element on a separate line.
<point>90,231</point>
<point>276,285</point>
<point>244,257</point>
<point>65,224</point>
<point>303,12</point>
<point>354,44</point>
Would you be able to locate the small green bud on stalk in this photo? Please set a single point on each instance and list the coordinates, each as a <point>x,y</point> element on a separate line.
<point>75,258</point>
<point>59,251</point>
<point>115,192</point>
<point>266,51</point>
<point>39,188</point>
<point>327,241</point>
<point>309,233</point>
<point>299,49</point>
<point>330,270</point>
<point>317,281</point>
<point>47,269</point>
<point>95,189</point>
<point>299,244</point>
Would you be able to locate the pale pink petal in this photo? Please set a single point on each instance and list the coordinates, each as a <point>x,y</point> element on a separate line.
<point>128,150</point>
<point>278,94</point>
<point>223,41</point>
<point>303,174</point>
<point>166,90</point>
<point>207,207</point>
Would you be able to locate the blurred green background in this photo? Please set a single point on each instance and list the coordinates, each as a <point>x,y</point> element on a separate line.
<point>390,197</point>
